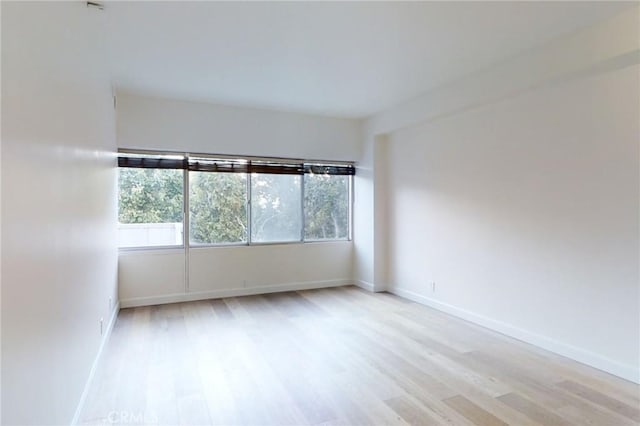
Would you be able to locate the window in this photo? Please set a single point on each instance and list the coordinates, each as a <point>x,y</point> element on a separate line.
<point>150,205</point>
<point>326,207</point>
<point>218,208</point>
<point>230,200</point>
<point>276,214</point>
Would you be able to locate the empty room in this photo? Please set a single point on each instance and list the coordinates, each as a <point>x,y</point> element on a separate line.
<point>320,213</point>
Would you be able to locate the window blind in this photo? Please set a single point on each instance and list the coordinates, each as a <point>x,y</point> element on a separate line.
<point>276,167</point>
<point>232,165</point>
<point>152,161</point>
<point>218,165</point>
<point>329,169</point>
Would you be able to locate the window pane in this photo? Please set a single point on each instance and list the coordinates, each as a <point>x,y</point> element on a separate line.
<point>326,207</point>
<point>150,207</point>
<point>275,208</point>
<point>218,207</point>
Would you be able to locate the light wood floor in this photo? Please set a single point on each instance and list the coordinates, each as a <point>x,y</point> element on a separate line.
<point>338,356</point>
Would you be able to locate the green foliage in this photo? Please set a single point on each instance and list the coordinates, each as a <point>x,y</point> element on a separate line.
<point>150,196</point>
<point>217,202</point>
<point>275,207</point>
<point>326,207</point>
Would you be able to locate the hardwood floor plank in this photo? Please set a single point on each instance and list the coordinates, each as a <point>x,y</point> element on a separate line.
<point>586,415</point>
<point>518,377</point>
<point>192,410</point>
<point>498,409</point>
<point>309,306</point>
<point>474,413</point>
<point>532,410</point>
<point>240,314</point>
<point>286,304</point>
<point>410,412</point>
<point>395,365</point>
<point>443,363</point>
<point>338,356</point>
<point>622,390</point>
<point>601,399</point>
<point>221,309</point>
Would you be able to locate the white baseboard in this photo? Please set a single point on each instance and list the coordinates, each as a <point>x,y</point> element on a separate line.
<point>365,285</point>
<point>105,338</point>
<point>370,286</point>
<point>628,372</point>
<point>244,291</point>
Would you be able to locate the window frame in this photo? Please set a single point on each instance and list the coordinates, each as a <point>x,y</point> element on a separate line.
<point>231,244</point>
<point>267,243</point>
<point>183,244</point>
<point>349,236</point>
<point>186,233</point>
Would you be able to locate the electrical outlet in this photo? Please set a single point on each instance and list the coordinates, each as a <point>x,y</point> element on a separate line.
<point>433,286</point>
<point>101,325</point>
<point>110,304</point>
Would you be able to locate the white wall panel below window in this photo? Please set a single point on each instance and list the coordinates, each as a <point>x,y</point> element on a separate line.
<point>217,268</point>
<point>150,277</point>
<point>144,273</point>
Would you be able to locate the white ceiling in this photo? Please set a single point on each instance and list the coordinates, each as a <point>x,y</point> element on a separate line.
<point>342,59</point>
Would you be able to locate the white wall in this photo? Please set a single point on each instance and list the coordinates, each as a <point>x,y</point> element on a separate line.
<point>145,274</point>
<point>151,277</point>
<point>525,213</point>
<point>161,124</point>
<point>58,211</point>
<point>363,219</point>
<point>602,47</point>
<point>154,123</point>
<point>370,216</point>
<point>517,192</point>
